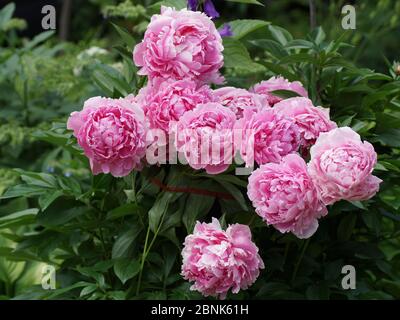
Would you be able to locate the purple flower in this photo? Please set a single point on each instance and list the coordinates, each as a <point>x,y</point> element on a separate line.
<point>210,10</point>
<point>207,6</point>
<point>192,4</point>
<point>225,30</point>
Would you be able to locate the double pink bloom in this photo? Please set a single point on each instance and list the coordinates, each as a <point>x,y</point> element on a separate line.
<point>181,45</point>
<point>341,166</point>
<point>111,133</point>
<point>218,261</point>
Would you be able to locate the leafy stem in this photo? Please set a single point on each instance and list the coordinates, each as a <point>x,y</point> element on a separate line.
<point>147,248</point>
<point>297,265</point>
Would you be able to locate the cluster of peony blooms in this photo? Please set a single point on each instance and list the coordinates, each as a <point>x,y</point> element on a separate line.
<point>181,54</point>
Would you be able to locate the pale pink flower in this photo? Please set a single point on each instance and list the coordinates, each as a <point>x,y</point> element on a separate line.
<point>266,136</point>
<point>311,120</point>
<point>205,137</point>
<point>111,133</point>
<point>240,99</point>
<point>218,261</point>
<point>182,45</point>
<point>284,195</point>
<point>278,83</point>
<point>341,166</point>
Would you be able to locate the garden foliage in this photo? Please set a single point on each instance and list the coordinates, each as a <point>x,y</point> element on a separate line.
<point>122,238</point>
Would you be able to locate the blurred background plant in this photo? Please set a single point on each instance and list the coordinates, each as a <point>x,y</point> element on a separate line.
<point>93,229</point>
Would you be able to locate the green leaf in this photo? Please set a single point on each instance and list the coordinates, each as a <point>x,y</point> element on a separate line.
<point>236,193</point>
<point>48,198</point>
<point>225,177</point>
<point>41,37</point>
<point>280,34</point>
<point>124,242</point>
<point>298,58</point>
<point>177,4</point>
<point>391,196</point>
<point>359,205</point>
<point>346,226</point>
<point>44,180</point>
<point>299,44</point>
<point>247,2</point>
<point>22,190</point>
<point>318,35</point>
<point>242,27</point>
<point>16,217</point>
<point>117,295</point>
<point>392,287</point>
<point>169,257</point>
<point>197,206</point>
<point>88,290</point>
<point>273,47</point>
<point>158,210</point>
<point>285,94</point>
<point>126,37</point>
<point>388,132</point>
<point>92,273</point>
<point>280,70</point>
<point>6,14</point>
<point>111,81</point>
<point>126,269</point>
<point>58,292</point>
<point>386,166</point>
<point>237,56</point>
<point>60,212</point>
<point>122,211</point>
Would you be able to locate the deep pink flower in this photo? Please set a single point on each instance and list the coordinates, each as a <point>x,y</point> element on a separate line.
<point>266,136</point>
<point>311,120</point>
<point>240,99</point>
<point>218,261</point>
<point>205,137</point>
<point>111,133</point>
<point>284,195</point>
<point>182,45</point>
<point>278,83</point>
<point>166,100</point>
<point>341,166</point>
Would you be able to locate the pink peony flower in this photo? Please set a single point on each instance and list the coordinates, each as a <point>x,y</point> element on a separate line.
<point>279,83</point>
<point>266,137</point>
<point>341,166</point>
<point>111,133</point>
<point>218,261</point>
<point>182,45</point>
<point>165,101</point>
<point>284,196</point>
<point>310,120</point>
<point>240,99</point>
<point>205,137</point>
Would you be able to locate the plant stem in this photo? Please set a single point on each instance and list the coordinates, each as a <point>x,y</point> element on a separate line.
<point>296,267</point>
<point>285,254</point>
<point>103,244</point>
<point>251,220</point>
<point>147,248</point>
<point>143,260</point>
<point>313,14</point>
<point>8,289</point>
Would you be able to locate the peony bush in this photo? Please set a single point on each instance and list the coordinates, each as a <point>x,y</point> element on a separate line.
<point>181,52</point>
